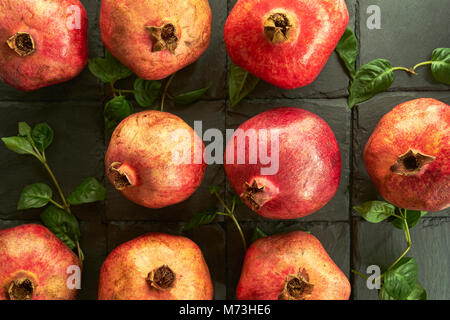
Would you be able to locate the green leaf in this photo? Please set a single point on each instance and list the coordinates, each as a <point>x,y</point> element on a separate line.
<point>90,190</point>
<point>418,293</point>
<point>42,136</point>
<point>347,49</point>
<point>257,234</point>
<point>64,225</point>
<point>214,189</point>
<point>35,196</point>
<point>191,97</point>
<point>384,295</point>
<point>412,218</point>
<point>370,79</point>
<point>146,92</point>
<point>20,145</point>
<point>240,84</point>
<point>24,130</point>
<point>108,69</point>
<point>400,281</point>
<point>440,66</point>
<point>375,211</point>
<point>116,110</point>
<point>201,218</point>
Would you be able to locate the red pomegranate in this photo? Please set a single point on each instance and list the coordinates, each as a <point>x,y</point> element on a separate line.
<point>285,42</point>
<point>408,155</point>
<point>34,265</point>
<point>305,153</point>
<point>291,266</point>
<point>155,38</point>
<point>155,266</point>
<point>43,42</point>
<point>155,159</point>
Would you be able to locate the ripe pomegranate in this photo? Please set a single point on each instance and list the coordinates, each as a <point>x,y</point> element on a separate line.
<point>284,42</point>
<point>155,159</point>
<point>34,265</point>
<point>307,157</point>
<point>155,266</point>
<point>291,266</point>
<point>408,155</point>
<point>155,38</point>
<point>42,42</point>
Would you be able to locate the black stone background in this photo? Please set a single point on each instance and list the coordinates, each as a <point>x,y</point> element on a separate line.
<point>410,31</point>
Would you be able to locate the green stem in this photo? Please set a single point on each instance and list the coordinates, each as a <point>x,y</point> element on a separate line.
<point>411,71</point>
<point>360,274</point>
<point>58,187</point>
<point>56,204</point>
<point>230,213</point>
<point>240,231</point>
<point>120,91</point>
<point>65,205</point>
<point>408,240</point>
<point>112,87</point>
<point>166,89</point>
<point>421,64</point>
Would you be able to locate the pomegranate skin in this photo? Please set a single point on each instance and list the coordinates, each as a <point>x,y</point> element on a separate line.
<point>34,253</point>
<point>125,273</point>
<point>295,59</point>
<point>124,31</point>
<point>309,165</point>
<point>408,155</point>
<point>271,260</point>
<point>141,152</point>
<point>61,49</point>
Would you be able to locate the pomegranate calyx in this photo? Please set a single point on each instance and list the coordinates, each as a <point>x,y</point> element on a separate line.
<point>277,27</point>
<point>161,278</point>
<point>411,163</point>
<point>21,289</point>
<point>297,287</point>
<point>22,43</point>
<point>120,179</point>
<point>165,37</point>
<point>250,195</point>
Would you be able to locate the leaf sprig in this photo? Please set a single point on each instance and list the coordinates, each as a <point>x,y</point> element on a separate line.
<point>399,281</point>
<point>145,92</point>
<point>208,216</point>
<point>377,75</point>
<point>57,216</point>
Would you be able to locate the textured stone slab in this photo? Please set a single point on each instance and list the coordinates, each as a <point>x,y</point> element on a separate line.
<point>335,237</point>
<point>83,87</point>
<point>75,154</point>
<point>366,118</point>
<point>94,245</point>
<point>210,239</point>
<point>211,113</point>
<point>408,35</point>
<point>381,244</point>
<point>337,115</point>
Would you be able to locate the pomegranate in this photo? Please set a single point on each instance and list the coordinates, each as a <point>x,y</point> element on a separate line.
<point>408,155</point>
<point>155,38</point>
<point>34,265</point>
<point>284,42</point>
<point>304,151</point>
<point>43,42</point>
<point>155,266</point>
<point>155,159</point>
<point>291,266</point>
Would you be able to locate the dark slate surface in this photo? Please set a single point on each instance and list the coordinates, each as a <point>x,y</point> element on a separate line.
<point>74,109</point>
